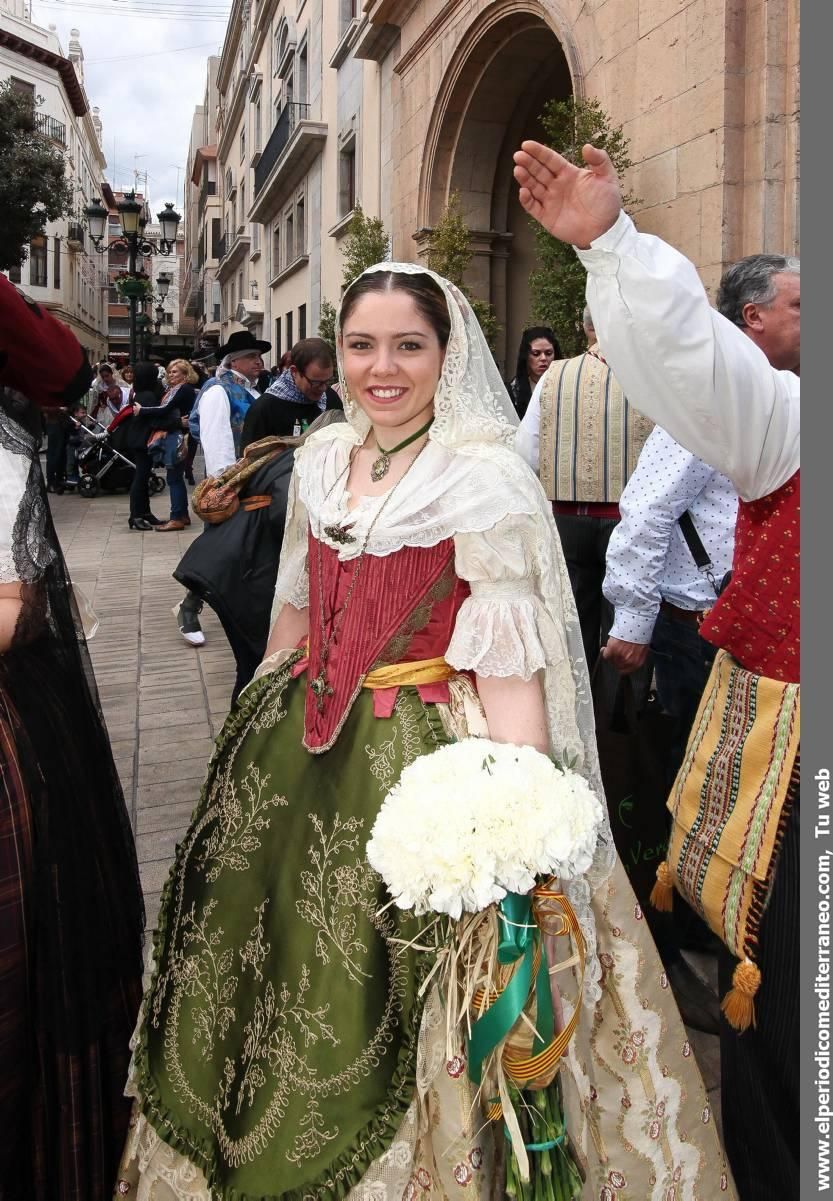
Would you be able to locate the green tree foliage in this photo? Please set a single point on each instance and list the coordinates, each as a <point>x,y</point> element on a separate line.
<point>557,286</point>
<point>449,255</point>
<point>33,186</point>
<point>327,324</point>
<point>367,242</point>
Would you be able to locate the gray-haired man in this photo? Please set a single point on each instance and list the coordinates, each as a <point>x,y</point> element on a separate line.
<point>762,295</point>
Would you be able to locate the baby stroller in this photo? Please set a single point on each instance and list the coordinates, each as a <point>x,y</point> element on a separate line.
<point>101,466</point>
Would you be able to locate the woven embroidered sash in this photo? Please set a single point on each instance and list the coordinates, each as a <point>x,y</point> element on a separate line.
<point>732,797</point>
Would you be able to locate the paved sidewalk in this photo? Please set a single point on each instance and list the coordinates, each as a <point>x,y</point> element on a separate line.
<point>164,701</point>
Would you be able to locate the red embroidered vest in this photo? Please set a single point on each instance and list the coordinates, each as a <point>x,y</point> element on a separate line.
<point>757,619</point>
<point>402,609</point>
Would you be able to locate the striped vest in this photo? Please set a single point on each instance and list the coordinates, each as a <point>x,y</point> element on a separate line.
<point>590,435</point>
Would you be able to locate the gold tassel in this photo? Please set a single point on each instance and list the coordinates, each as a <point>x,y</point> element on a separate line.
<point>739,1003</point>
<point>662,894</point>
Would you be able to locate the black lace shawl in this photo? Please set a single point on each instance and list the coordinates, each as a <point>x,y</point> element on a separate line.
<point>85,910</point>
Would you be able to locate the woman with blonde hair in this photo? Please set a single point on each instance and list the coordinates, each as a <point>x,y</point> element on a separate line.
<point>181,393</point>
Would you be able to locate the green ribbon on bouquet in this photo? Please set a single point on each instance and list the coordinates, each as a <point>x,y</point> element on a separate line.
<point>520,938</point>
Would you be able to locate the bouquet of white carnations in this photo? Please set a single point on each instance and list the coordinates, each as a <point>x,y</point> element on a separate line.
<point>476,820</point>
<point>482,833</point>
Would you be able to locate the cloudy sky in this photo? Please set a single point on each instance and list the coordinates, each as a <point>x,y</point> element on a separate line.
<point>144,66</point>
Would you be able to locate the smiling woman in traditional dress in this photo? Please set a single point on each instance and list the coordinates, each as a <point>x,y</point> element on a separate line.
<point>287,1050</point>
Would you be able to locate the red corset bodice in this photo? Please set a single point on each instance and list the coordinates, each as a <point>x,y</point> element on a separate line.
<point>401,609</point>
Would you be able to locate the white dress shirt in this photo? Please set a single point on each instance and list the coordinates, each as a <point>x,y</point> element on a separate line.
<point>648,559</point>
<point>528,436</point>
<point>684,365</point>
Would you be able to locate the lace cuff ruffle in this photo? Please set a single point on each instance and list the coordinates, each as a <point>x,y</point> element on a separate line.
<point>497,636</point>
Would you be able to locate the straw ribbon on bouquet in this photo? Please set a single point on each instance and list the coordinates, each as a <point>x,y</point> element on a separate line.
<point>523,919</point>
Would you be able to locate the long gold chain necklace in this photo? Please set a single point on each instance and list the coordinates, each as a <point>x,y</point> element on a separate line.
<point>381,466</point>
<point>320,685</point>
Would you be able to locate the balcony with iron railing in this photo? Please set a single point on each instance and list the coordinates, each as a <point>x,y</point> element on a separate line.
<point>75,236</point>
<point>236,247</point>
<point>55,130</point>
<point>291,149</point>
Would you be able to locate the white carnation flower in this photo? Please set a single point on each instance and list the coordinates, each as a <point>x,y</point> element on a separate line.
<point>477,819</point>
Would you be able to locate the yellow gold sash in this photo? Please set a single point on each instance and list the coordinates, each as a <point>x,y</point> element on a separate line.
<point>421,671</point>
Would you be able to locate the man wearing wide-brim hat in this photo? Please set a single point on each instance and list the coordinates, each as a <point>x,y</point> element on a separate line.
<point>217,420</point>
<point>223,402</point>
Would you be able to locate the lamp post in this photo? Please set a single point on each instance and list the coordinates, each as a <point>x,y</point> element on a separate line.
<point>134,217</point>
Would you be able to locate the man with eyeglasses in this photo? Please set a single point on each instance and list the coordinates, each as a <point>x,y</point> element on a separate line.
<point>298,396</point>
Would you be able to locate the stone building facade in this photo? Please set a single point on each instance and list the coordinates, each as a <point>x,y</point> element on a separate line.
<point>397,103</point>
<point>299,130</point>
<point>200,293</point>
<point>706,90</point>
<point>62,270</point>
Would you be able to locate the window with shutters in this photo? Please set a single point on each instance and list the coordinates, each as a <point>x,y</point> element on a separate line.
<point>37,262</point>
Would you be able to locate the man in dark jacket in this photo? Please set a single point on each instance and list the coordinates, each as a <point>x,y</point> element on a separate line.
<point>233,565</point>
<point>298,396</point>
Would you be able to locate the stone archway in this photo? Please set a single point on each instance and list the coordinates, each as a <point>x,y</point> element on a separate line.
<point>509,64</point>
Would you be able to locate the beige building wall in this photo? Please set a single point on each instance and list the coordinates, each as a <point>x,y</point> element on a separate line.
<point>201,292</point>
<point>707,92</point>
<point>65,274</point>
<point>311,115</point>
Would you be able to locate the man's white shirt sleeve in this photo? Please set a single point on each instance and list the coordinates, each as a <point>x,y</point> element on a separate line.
<point>216,438</point>
<point>528,437</point>
<point>646,552</point>
<point>685,366</point>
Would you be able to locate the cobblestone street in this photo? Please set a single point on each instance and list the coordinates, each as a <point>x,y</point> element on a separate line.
<point>163,700</point>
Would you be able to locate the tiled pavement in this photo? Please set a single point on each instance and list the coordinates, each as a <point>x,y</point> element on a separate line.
<point>164,701</point>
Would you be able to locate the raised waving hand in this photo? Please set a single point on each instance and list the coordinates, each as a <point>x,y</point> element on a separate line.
<point>575,204</point>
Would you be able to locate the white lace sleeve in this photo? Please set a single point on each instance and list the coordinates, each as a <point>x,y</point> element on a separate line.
<point>14,472</point>
<point>292,585</point>
<point>503,628</point>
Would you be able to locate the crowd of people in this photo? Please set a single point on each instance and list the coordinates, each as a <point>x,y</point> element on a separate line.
<point>405,551</point>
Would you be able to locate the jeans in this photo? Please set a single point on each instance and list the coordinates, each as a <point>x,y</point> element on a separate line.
<point>178,492</point>
<point>139,493</point>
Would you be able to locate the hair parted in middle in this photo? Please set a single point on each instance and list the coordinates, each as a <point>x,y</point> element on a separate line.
<point>425,293</point>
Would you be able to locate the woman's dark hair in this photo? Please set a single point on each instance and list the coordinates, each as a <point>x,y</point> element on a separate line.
<point>426,295</point>
<point>520,388</point>
<point>146,379</point>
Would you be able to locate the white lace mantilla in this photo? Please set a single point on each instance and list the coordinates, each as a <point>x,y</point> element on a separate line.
<point>468,485</point>
<point>520,618</point>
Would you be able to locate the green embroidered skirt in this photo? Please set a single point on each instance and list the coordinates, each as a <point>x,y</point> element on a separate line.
<point>278,1048</point>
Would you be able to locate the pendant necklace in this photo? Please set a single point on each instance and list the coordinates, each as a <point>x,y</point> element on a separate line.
<point>381,466</point>
<point>320,685</point>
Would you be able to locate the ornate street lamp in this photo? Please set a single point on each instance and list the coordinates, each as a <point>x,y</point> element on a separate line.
<point>130,214</point>
<point>96,215</point>
<point>163,284</point>
<point>169,219</point>
<point>133,215</point>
